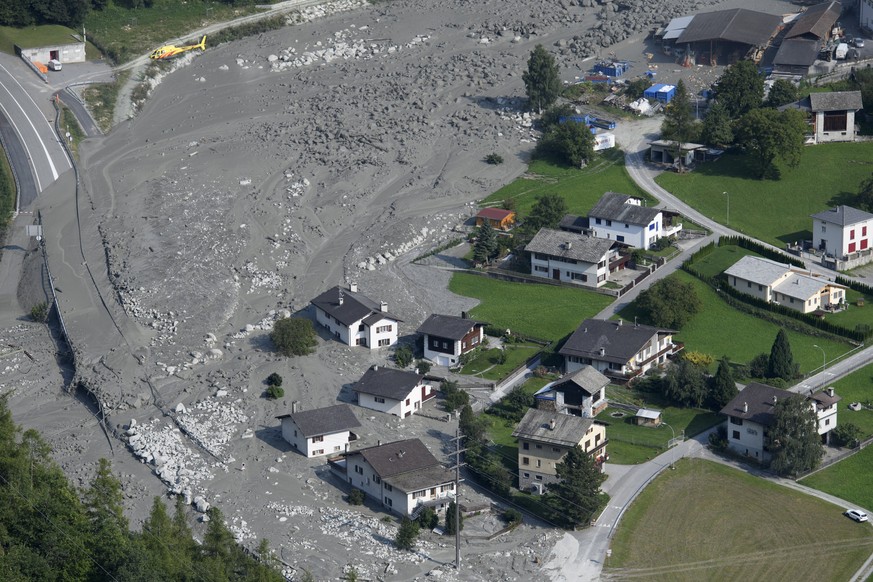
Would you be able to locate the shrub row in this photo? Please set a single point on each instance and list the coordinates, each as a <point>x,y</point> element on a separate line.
<point>759,248</point>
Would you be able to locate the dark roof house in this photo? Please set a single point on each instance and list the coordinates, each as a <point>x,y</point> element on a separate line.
<point>610,341</point>
<point>615,206</point>
<point>570,245</point>
<point>756,403</point>
<point>816,22</point>
<point>326,420</point>
<point>348,306</point>
<point>564,430</point>
<point>573,223</point>
<point>388,382</point>
<point>448,326</point>
<point>407,465</point>
<point>735,25</point>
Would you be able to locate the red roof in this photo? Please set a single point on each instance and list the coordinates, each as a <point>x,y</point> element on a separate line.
<point>495,214</point>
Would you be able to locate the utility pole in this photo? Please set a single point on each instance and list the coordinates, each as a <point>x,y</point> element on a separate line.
<point>457,468</point>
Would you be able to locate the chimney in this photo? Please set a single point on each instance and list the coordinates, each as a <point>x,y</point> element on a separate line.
<point>775,399</point>
<point>400,453</point>
<point>376,367</point>
<point>620,322</point>
<point>383,307</point>
<point>465,315</point>
<point>353,287</point>
<point>568,245</point>
<point>379,442</point>
<point>831,391</point>
<point>416,370</point>
<point>552,424</point>
<point>602,351</point>
<point>745,407</point>
<point>295,406</point>
<point>340,296</point>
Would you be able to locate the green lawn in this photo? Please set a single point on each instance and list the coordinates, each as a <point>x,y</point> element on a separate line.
<point>720,330</point>
<point>486,363</point>
<point>541,311</point>
<point>34,36</point>
<point>705,521</point>
<point>69,124</point>
<point>720,259</point>
<point>856,387</point>
<point>100,98</point>
<point>580,188</point>
<point>849,479</point>
<point>124,34</point>
<point>775,211</point>
<point>7,194</point>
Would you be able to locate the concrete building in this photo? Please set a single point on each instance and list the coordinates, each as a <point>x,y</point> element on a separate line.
<point>64,48</point>
<point>322,431</point>
<point>573,258</point>
<point>354,319</point>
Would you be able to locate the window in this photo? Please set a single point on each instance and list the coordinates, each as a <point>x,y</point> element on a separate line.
<point>388,501</point>
<point>384,329</point>
<point>852,234</point>
<point>527,475</point>
<point>318,452</point>
<point>824,228</point>
<point>736,435</point>
<point>597,221</point>
<point>626,225</point>
<point>539,446</point>
<point>749,283</point>
<point>596,439</point>
<point>760,287</point>
<point>295,433</point>
<point>827,422</point>
<point>587,444</point>
<point>337,448</point>
<point>539,477</point>
<point>608,223</point>
<point>379,399</point>
<point>539,463</point>
<point>417,494</point>
<point>525,446</point>
<point>736,421</point>
<point>377,479</point>
<point>362,327</point>
<point>445,345</point>
<point>556,450</point>
<point>835,121</point>
<point>318,439</point>
<point>407,402</point>
<point>539,269</point>
<point>359,470</point>
<point>525,461</point>
<point>384,342</point>
<point>388,487</point>
<point>620,238</point>
<point>652,226</point>
<point>863,231</point>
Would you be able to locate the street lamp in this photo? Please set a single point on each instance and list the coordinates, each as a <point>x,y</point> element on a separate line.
<point>824,360</point>
<point>673,433</point>
<point>728,221</point>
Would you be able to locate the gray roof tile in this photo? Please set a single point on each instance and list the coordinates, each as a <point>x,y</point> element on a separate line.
<point>568,432</point>
<point>354,307</point>
<point>843,215</point>
<point>620,341</point>
<point>587,249</point>
<point>448,326</point>
<point>735,25</point>
<point>398,457</point>
<point>326,420</point>
<point>836,101</point>
<point>614,206</point>
<point>388,382</point>
<point>755,403</point>
<point>816,20</point>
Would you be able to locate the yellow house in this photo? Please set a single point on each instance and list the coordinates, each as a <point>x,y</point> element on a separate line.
<point>496,217</point>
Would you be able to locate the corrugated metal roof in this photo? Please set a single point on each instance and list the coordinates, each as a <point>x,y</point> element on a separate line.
<point>816,20</point>
<point>735,25</point>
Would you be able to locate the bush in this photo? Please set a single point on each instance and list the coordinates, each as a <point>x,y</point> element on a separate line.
<point>718,439</point>
<point>428,518</point>
<point>403,356</point>
<point>846,435</point>
<point>758,366</point>
<point>39,312</point>
<point>494,159</point>
<point>294,336</point>
<point>455,398</point>
<point>275,392</point>
<point>501,357</point>
<point>356,497</point>
<point>423,366</point>
<point>274,379</point>
<point>511,516</point>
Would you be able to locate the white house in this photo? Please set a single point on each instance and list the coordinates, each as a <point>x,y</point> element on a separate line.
<point>624,219</point>
<point>447,338</point>
<point>545,437</point>
<point>323,431</point>
<point>573,258</point>
<point>842,231</point>
<point>785,285</point>
<point>750,416</point>
<point>618,350</point>
<point>404,476</point>
<point>581,393</point>
<point>393,391</point>
<point>355,319</point>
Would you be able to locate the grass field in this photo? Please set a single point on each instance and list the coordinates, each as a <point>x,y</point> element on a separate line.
<point>7,194</point>
<point>720,330</point>
<point>849,479</point>
<point>101,98</point>
<point>705,521</point>
<point>124,34</point>
<point>33,36</point>
<point>486,363</point>
<point>775,211</point>
<point>541,311</point>
<point>580,188</point>
<point>69,124</point>
<point>856,387</point>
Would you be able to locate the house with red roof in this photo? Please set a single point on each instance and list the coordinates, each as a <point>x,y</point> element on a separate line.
<point>497,217</point>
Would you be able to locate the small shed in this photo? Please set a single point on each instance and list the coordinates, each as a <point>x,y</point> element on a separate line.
<point>660,92</point>
<point>647,417</point>
<point>498,218</point>
<point>663,151</point>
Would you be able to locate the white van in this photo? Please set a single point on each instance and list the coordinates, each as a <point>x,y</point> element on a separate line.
<point>54,65</point>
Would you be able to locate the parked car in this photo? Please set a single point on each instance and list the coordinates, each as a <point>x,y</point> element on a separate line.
<point>55,65</point>
<point>856,514</point>
<point>858,42</point>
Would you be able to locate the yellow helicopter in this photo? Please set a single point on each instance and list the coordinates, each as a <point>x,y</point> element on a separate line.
<point>168,51</point>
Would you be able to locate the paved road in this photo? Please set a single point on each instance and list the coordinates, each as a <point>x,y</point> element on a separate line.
<point>46,155</point>
<point>72,101</point>
<point>24,176</point>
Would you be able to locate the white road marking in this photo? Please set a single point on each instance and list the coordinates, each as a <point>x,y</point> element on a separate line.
<point>23,141</point>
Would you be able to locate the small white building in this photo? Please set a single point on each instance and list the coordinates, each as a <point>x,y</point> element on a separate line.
<point>573,258</point>
<point>323,431</point>
<point>751,414</point>
<point>785,285</point>
<point>447,338</point>
<point>403,476</point>
<point>393,391</point>
<point>64,48</point>
<point>843,231</point>
<point>624,219</point>
<point>355,319</point>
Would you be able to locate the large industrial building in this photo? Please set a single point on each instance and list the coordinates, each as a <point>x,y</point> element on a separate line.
<point>807,37</point>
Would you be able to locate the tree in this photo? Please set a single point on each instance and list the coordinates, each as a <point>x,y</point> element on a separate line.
<point>274,379</point>
<point>864,198</point>
<point>514,405</point>
<point>782,92</point>
<point>39,312</point>
<point>428,518</point>
<point>685,382</point>
<point>552,116</point>
<point>275,392</point>
<point>451,526</point>
<point>571,141</point>
<point>486,246</point>
<point>758,366</point>
<point>794,439</point>
<point>679,124</point>
<point>542,80</point>
<point>669,303</point>
<point>294,336</point>
<point>769,135</point>
<point>577,491</point>
<point>846,434</point>
<point>472,427</point>
<point>455,398</point>
<point>740,89</point>
<point>423,366</point>
<point>781,363</point>
<point>407,535</point>
<point>547,212</point>
<point>403,356</point>
<point>716,130</point>
<point>108,526</point>
<point>724,387</point>
<point>636,88</point>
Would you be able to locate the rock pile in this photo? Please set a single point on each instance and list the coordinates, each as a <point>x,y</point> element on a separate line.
<point>214,422</point>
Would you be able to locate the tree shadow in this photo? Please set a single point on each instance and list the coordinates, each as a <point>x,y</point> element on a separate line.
<point>800,235</point>
<point>842,198</point>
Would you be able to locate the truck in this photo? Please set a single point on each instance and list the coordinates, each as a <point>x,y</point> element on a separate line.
<point>841,51</point>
